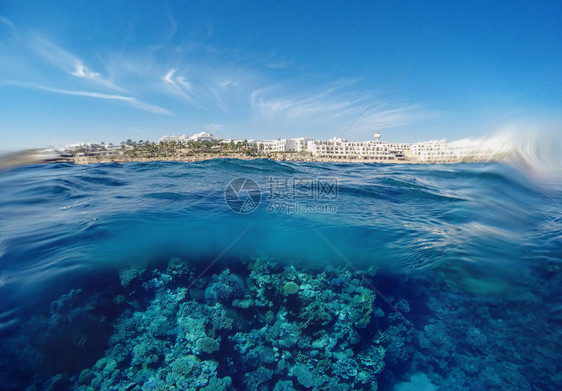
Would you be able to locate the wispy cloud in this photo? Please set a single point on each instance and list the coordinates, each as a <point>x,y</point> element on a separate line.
<point>290,107</point>
<point>178,81</point>
<point>169,75</point>
<point>128,99</point>
<point>80,70</point>
<point>70,63</point>
<point>276,65</point>
<point>8,32</point>
<point>210,88</point>
<point>333,108</point>
<point>98,95</point>
<point>250,93</point>
<point>266,104</point>
<point>6,21</point>
<point>220,103</point>
<point>184,83</point>
<point>149,107</point>
<point>382,117</point>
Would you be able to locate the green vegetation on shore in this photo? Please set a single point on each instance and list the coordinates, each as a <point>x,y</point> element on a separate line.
<point>174,151</point>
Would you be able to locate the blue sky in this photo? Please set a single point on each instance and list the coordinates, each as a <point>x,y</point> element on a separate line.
<point>88,71</point>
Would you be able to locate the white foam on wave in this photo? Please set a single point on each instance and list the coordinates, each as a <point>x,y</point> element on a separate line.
<point>535,151</point>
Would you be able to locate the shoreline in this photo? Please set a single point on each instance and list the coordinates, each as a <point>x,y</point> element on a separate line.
<point>38,157</point>
<point>90,160</point>
<point>197,157</point>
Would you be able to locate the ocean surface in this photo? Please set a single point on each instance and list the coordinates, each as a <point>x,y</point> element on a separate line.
<point>259,275</point>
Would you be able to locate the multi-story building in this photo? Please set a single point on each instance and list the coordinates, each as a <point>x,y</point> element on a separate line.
<point>435,151</point>
<point>271,145</point>
<point>282,145</point>
<point>345,149</point>
<point>478,150</point>
<point>468,150</point>
<point>297,144</point>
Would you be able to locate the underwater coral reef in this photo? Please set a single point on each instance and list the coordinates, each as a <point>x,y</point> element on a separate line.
<point>260,325</point>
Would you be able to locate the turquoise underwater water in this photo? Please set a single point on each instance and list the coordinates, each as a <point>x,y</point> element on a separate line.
<point>252,275</point>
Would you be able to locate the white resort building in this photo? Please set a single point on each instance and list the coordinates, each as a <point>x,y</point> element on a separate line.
<point>337,148</point>
<point>297,144</point>
<point>197,137</point>
<point>203,136</point>
<point>468,150</point>
<point>372,149</point>
<point>282,145</point>
<point>269,145</point>
<point>435,151</point>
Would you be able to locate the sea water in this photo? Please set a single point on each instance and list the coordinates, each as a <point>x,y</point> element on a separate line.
<point>459,266</point>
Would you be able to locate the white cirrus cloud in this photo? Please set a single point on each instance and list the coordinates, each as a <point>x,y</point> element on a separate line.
<point>178,80</point>
<point>6,21</point>
<point>336,109</point>
<point>219,102</point>
<point>80,70</point>
<point>98,95</point>
<point>184,83</point>
<point>291,107</point>
<point>128,99</point>
<point>168,77</point>
<point>70,63</point>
